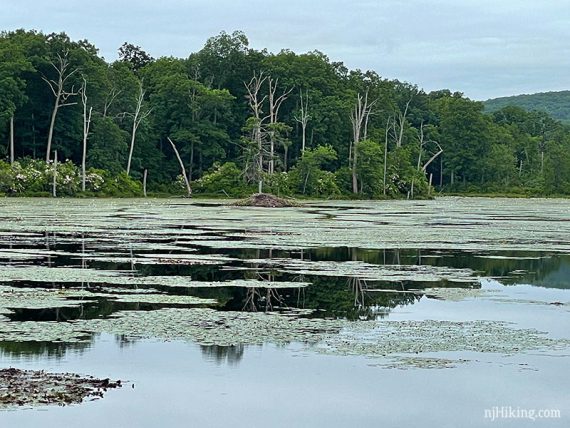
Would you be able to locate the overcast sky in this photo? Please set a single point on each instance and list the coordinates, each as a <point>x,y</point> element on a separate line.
<point>484,48</point>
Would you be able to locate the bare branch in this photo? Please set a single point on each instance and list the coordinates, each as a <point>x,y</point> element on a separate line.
<point>188,188</point>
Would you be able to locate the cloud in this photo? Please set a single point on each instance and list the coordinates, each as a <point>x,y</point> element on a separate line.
<point>484,48</point>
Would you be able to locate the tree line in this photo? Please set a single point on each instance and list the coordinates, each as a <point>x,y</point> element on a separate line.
<point>230,120</point>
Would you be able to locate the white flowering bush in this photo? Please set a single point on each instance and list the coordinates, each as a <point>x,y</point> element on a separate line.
<point>94,179</point>
<point>31,176</point>
<point>8,182</point>
<point>180,182</point>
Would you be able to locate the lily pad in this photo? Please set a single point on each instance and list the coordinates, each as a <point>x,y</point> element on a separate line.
<point>33,388</point>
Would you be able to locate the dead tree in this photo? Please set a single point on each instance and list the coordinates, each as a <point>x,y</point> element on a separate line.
<point>256,101</point>
<point>386,134</point>
<point>145,175</point>
<point>400,122</point>
<point>109,99</point>
<point>61,94</point>
<point>275,102</point>
<point>303,118</point>
<point>11,139</point>
<point>54,181</point>
<point>359,117</point>
<point>86,126</point>
<point>138,116</point>
<point>422,142</point>
<point>188,188</point>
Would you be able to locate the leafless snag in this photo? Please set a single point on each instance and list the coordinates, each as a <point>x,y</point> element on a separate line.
<point>303,117</point>
<point>359,117</point>
<point>86,126</point>
<point>188,188</point>
<point>386,134</point>
<point>275,102</point>
<point>110,99</point>
<point>61,94</point>
<point>11,139</point>
<point>400,122</point>
<point>256,105</point>
<point>138,116</point>
<point>422,143</point>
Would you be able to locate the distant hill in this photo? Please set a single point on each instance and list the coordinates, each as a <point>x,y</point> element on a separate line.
<point>557,104</point>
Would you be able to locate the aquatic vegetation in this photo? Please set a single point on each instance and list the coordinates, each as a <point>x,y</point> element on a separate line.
<point>385,338</point>
<point>62,275</point>
<point>32,388</point>
<point>163,299</point>
<point>370,272</point>
<point>446,223</point>
<point>211,327</point>
<point>406,363</point>
<point>30,298</point>
<point>395,339</point>
<point>457,294</point>
<point>155,252</point>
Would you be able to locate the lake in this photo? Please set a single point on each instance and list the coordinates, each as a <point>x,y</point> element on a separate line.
<point>451,312</point>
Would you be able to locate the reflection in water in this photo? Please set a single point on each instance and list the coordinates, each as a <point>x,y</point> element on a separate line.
<point>266,299</point>
<point>223,354</point>
<point>37,350</point>
<point>346,296</point>
<point>125,341</point>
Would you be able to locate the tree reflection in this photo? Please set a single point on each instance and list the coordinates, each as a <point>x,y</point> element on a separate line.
<point>231,355</point>
<point>39,350</point>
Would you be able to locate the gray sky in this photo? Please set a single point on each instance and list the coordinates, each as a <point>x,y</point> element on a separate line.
<point>484,48</point>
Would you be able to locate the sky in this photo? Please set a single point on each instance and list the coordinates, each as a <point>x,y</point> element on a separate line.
<point>483,48</point>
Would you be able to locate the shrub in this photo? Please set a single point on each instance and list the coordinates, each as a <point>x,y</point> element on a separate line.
<point>222,179</point>
<point>121,185</point>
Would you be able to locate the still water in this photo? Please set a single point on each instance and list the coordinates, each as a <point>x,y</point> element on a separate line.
<point>359,262</point>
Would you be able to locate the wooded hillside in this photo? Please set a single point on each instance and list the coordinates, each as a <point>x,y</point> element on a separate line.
<point>556,104</point>
<point>243,119</point>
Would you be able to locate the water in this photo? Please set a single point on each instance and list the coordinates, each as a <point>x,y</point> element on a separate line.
<point>483,250</point>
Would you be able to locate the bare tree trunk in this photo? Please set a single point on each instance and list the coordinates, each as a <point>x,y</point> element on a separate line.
<point>303,118</point>
<point>440,173</point>
<point>131,147</point>
<point>54,183</point>
<point>305,183</point>
<point>145,174</point>
<point>191,166</point>
<point>359,119</point>
<point>12,139</point>
<point>109,99</point>
<point>61,94</point>
<point>354,176</point>
<point>424,168</point>
<point>138,117</point>
<point>51,126</point>
<point>86,126</point>
<point>188,188</point>
<point>255,103</point>
<point>271,155</point>
<point>272,90</point>
<point>402,122</point>
<point>386,154</point>
<point>273,116</point>
<point>84,156</point>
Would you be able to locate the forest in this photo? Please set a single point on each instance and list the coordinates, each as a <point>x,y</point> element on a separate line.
<point>230,120</point>
<point>556,104</point>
